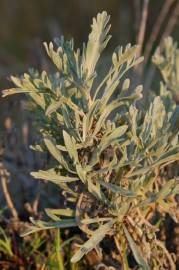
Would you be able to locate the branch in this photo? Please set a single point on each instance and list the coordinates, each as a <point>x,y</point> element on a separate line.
<point>4,175</point>
<point>156,29</point>
<point>141,34</point>
<point>171,24</point>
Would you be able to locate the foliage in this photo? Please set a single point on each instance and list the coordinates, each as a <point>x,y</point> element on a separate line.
<point>34,252</point>
<point>5,245</point>
<point>111,156</point>
<point>168,64</point>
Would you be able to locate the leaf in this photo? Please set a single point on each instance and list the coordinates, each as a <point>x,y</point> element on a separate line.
<point>105,113</point>
<point>42,225</point>
<point>71,147</point>
<point>125,85</point>
<point>113,137</point>
<point>137,255</point>
<point>97,41</point>
<point>117,103</point>
<point>54,106</point>
<point>5,243</point>
<point>117,189</point>
<point>119,57</point>
<point>122,210</point>
<point>57,60</point>
<point>51,176</point>
<point>88,119</point>
<point>166,158</point>
<point>56,153</point>
<point>81,172</point>
<point>167,60</point>
<point>96,238</point>
<point>34,93</point>
<point>133,119</point>
<point>25,85</point>
<point>109,90</point>
<point>67,119</point>
<point>106,141</point>
<point>164,192</point>
<point>55,213</point>
<point>95,220</point>
<point>158,116</point>
<point>95,189</point>
<point>12,91</point>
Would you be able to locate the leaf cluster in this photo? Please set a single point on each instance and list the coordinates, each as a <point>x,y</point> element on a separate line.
<point>110,154</point>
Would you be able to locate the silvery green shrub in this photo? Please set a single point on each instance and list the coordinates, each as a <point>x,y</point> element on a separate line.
<point>111,156</point>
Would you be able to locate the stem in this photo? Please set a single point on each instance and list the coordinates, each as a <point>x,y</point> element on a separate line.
<point>141,34</point>
<point>162,246</point>
<point>168,30</point>
<point>121,246</point>
<point>136,8</point>
<point>58,252</point>
<point>171,24</point>
<point>3,174</point>
<point>156,29</point>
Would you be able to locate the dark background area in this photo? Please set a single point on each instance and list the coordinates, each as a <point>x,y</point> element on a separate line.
<point>26,24</point>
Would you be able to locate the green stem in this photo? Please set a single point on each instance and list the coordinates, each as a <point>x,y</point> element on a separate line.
<point>58,252</point>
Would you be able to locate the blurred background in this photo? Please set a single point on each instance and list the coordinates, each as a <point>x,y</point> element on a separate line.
<point>24,25</point>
